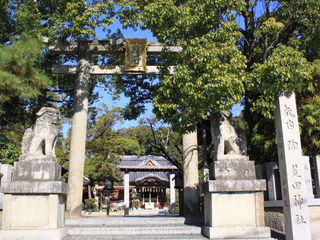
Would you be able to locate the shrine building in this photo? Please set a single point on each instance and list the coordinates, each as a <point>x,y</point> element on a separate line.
<point>148,179</point>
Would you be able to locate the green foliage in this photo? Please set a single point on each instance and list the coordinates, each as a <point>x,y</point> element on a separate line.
<point>19,74</point>
<point>209,78</point>
<point>9,152</point>
<point>235,49</point>
<point>24,89</point>
<point>126,146</point>
<point>286,70</point>
<point>90,205</point>
<point>62,19</point>
<point>309,113</point>
<point>101,157</point>
<point>5,22</point>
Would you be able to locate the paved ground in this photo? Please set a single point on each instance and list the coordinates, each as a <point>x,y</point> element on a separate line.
<point>132,212</point>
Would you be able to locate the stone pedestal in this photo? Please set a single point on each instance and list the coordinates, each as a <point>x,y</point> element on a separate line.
<point>233,202</point>
<point>6,173</point>
<point>34,202</point>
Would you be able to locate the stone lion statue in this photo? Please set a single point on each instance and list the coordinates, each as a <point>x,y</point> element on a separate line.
<point>227,144</point>
<point>39,141</point>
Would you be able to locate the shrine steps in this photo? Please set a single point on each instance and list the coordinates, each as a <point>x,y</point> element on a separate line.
<point>133,228</point>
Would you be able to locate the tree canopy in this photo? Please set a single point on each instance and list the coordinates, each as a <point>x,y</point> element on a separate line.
<point>233,51</point>
<point>236,51</point>
<point>26,79</point>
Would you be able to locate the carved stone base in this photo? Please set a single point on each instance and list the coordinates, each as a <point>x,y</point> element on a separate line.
<point>36,187</point>
<point>234,215</point>
<point>233,169</point>
<point>245,233</point>
<point>227,186</point>
<point>38,234</point>
<point>36,170</point>
<point>229,157</point>
<point>33,210</point>
<point>233,202</point>
<point>38,211</point>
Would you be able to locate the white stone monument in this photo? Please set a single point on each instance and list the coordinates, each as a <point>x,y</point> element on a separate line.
<point>292,169</point>
<point>34,202</point>
<point>233,198</point>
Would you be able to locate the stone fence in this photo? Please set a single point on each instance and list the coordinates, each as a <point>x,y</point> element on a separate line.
<point>273,196</point>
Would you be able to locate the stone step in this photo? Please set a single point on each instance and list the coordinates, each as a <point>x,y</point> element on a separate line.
<point>126,221</point>
<point>155,237</point>
<point>137,237</point>
<point>133,231</point>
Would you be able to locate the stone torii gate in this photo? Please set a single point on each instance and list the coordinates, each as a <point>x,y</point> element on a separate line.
<point>135,51</point>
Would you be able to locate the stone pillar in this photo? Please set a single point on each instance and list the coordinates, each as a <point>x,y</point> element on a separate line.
<point>308,178</point>
<point>316,164</point>
<point>272,190</point>
<point>157,199</point>
<point>294,192</point>
<point>78,139</point>
<point>126,190</point>
<point>190,174</point>
<point>172,194</point>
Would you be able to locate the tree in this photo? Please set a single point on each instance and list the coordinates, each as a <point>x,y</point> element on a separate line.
<point>104,146</point>
<point>19,74</point>
<point>248,50</point>
<point>8,151</point>
<point>26,87</point>
<point>155,138</point>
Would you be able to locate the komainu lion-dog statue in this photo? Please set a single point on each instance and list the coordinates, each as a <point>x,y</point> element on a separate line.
<point>39,140</point>
<point>227,144</point>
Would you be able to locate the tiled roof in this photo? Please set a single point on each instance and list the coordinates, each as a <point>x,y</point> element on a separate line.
<point>145,162</point>
<point>140,175</point>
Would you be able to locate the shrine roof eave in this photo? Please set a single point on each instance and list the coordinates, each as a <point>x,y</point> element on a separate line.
<point>148,167</point>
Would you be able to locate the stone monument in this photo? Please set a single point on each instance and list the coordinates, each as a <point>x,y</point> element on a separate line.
<point>233,198</point>
<point>34,202</point>
<point>292,166</point>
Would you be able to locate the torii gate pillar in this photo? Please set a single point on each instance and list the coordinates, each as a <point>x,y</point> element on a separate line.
<point>78,139</point>
<point>190,174</point>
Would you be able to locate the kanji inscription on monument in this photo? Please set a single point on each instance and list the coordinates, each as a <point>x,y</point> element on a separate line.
<point>291,163</point>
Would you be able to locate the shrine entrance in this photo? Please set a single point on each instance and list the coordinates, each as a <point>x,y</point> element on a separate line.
<point>135,51</point>
<point>148,182</point>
